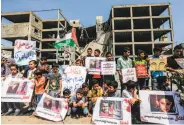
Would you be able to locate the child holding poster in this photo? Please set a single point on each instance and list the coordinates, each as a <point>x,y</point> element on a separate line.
<point>13,105</point>
<point>54,84</point>
<point>141,70</point>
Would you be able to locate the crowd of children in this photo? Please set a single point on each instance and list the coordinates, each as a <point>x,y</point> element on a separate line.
<point>49,80</point>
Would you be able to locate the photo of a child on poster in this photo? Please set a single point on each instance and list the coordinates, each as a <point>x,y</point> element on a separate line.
<point>93,64</point>
<point>17,90</point>
<point>51,108</point>
<point>22,89</point>
<point>111,111</point>
<point>12,87</point>
<point>162,107</point>
<point>162,104</point>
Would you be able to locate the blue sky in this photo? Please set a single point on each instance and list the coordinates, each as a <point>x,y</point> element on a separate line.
<point>87,10</point>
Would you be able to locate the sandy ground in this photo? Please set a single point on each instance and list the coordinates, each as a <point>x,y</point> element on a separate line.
<point>38,120</point>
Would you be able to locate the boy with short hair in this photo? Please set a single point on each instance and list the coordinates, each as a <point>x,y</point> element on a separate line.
<point>78,104</point>
<point>32,68</point>
<point>54,84</point>
<point>105,87</point>
<point>67,97</point>
<point>112,91</point>
<point>94,93</point>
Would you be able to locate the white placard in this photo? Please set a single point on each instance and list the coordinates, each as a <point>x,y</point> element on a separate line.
<point>73,78</point>
<point>17,90</point>
<point>24,51</point>
<point>51,108</point>
<point>162,107</point>
<point>108,67</point>
<point>111,111</point>
<point>93,64</point>
<point>129,74</point>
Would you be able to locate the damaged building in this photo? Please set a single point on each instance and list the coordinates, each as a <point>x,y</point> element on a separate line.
<point>134,26</point>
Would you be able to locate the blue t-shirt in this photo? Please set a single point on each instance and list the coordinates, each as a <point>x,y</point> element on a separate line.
<point>156,74</point>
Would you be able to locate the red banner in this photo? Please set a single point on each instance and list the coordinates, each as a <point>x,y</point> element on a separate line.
<point>141,71</point>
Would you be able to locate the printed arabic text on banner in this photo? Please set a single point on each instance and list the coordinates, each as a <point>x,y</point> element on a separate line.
<point>108,67</point>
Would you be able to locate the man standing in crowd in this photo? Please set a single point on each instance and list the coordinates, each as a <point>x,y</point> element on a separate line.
<point>155,74</point>
<point>97,76</point>
<point>88,76</point>
<point>172,65</point>
<point>123,63</point>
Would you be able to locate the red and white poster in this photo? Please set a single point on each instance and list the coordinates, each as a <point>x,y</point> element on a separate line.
<point>51,108</point>
<point>17,90</point>
<point>111,111</point>
<point>141,71</point>
<point>162,107</point>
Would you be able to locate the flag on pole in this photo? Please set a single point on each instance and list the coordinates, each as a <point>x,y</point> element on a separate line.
<point>69,39</point>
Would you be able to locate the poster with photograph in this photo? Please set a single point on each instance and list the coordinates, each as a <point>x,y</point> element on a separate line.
<point>108,67</point>
<point>141,71</point>
<point>158,64</point>
<point>112,111</point>
<point>93,64</point>
<point>17,90</point>
<point>129,74</point>
<point>180,62</point>
<point>162,107</point>
<point>51,108</point>
<point>24,51</point>
<point>73,78</point>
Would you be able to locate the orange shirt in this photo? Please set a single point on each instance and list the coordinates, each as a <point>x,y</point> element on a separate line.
<point>39,85</point>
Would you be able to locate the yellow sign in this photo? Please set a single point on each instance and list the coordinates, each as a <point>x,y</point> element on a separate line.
<point>158,64</point>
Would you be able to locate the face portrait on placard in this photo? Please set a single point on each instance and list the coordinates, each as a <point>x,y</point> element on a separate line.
<point>22,89</point>
<point>47,103</point>
<point>110,109</point>
<point>162,104</point>
<point>56,106</point>
<point>92,64</point>
<point>12,87</point>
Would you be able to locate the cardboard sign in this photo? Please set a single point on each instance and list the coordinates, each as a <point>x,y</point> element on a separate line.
<point>108,67</point>
<point>17,90</point>
<point>180,62</point>
<point>93,64</point>
<point>162,107</point>
<point>129,74</point>
<point>73,78</point>
<point>50,108</point>
<point>112,111</point>
<point>158,64</point>
<point>24,51</point>
<point>141,71</point>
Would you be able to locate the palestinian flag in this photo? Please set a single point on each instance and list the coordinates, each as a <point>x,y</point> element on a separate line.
<point>70,39</point>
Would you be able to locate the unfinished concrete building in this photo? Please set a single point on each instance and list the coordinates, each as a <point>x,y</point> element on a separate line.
<point>134,26</point>
<point>142,27</point>
<point>28,26</point>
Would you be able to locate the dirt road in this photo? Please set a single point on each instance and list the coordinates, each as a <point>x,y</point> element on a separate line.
<point>38,120</point>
